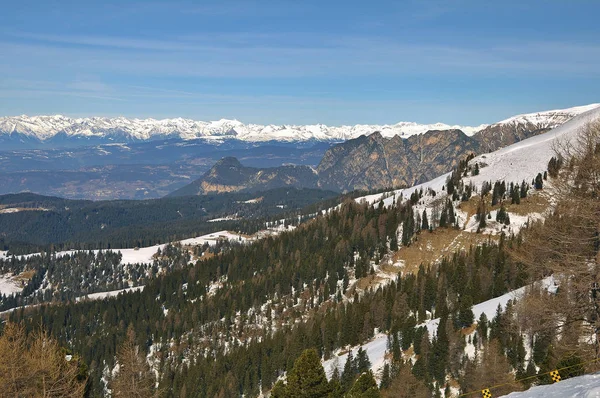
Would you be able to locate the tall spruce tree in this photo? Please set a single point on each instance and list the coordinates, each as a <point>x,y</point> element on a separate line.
<point>307,378</point>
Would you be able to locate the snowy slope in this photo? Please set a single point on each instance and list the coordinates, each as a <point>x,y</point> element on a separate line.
<point>587,386</point>
<point>112,293</point>
<point>376,348</point>
<point>8,285</point>
<point>525,159</point>
<point>547,119</point>
<point>515,163</point>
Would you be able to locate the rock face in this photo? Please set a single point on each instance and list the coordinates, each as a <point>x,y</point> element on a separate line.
<point>229,175</point>
<point>498,136</point>
<point>375,162</point>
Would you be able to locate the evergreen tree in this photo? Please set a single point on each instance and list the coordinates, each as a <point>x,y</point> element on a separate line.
<point>349,372</point>
<point>465,312</point>
<point>425,222</point>
<point>515,196</point>
<point>408,227</point>
<point>524,189</point>
<point>363,364</point>
<point>539,182</point>
<point>386,377</point>
<point>438,361</point>
<point>307,377</point>
<point>364,387</point>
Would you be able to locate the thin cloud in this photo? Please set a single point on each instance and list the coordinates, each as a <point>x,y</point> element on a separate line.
<point>337,57</point>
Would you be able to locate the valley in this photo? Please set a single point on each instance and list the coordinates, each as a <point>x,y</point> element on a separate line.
<point>421,280</point>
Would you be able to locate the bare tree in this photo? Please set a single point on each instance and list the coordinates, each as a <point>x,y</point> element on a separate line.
<point>567,246</point>
<point>134,377</point>
<point>36,366</point>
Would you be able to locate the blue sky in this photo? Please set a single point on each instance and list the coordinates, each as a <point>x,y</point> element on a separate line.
<point>332,62</point>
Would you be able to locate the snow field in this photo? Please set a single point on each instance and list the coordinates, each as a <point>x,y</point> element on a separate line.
<point>586,386</point>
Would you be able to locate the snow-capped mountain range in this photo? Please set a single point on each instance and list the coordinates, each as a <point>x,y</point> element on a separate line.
<point>44,129</point>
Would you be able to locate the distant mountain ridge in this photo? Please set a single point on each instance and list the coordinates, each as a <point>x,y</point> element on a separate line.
<point>376,162</point>
<point>59,130</point>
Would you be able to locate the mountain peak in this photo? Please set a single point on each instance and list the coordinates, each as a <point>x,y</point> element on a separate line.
<point>229,161</point>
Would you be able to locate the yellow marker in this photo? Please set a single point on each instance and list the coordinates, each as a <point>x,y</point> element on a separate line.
<point>555,376</point>
<point>486,393</point>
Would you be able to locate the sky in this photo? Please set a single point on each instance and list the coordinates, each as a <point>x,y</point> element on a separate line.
<point>299,62</point>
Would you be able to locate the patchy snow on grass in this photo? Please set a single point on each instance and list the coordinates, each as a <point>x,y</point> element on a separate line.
<point>377,347</point>
<point>8,285</point>
<point>388,197</point>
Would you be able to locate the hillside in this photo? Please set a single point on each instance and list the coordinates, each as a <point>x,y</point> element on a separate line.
<point>29,219</point>
<point>229,175</point>
<point>376,162</point>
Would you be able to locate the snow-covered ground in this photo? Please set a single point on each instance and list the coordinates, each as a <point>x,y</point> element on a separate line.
<point>375,349</point>
<point>228,218</point>
<point>112,293</point>
<point>146,254</point>
<point>586,386</point>
<point>489,307</point>
<point>525,159</point>
<point>8,285</point>
<point>211,239</point>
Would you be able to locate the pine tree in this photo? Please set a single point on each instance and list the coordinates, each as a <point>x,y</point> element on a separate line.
<point>515,195</point>
<point>386,377</point>
<point>363,364</point>
<point>307,378</point>
<point>524,189</point>
<point>438,361</point>
<point>364,387</point>
<point>539,182</point>
<point>348,373</point>
<point>425,222</point>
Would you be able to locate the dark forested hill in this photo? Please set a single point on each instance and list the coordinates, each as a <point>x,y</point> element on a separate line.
<point>42,220</point>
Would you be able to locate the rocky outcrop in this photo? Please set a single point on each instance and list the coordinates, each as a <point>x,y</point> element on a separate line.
<point>229,175</point>
<point>376,162</point>
<point>498,136</point>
